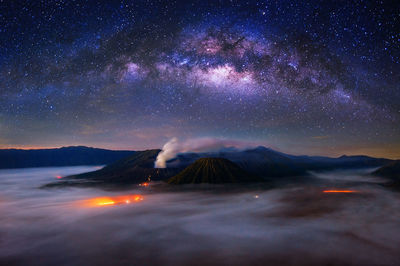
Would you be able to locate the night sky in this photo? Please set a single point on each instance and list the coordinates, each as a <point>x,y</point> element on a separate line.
<point>303,77</point>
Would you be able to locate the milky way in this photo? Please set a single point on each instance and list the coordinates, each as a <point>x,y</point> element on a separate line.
<point>301,77</point>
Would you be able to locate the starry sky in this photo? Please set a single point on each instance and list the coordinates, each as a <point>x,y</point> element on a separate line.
<point>303,77</point>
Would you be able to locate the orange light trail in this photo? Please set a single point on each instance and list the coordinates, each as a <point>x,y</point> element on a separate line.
<point>114,200</point>
<point>340,191</point>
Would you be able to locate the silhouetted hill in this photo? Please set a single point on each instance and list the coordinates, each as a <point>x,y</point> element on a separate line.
<point>133,169</point>
<point>66,156</point>
<point>391,170</point>
<point>214,171</point>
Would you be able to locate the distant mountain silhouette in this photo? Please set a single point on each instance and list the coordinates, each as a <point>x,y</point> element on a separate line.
<point>391,170</point>
<point>342,162</point>
<point>214,171</point>
<point>262,162</point>
<point>133,169</point>
<point>65,156</point>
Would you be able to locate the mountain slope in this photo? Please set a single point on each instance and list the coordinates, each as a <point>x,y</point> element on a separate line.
<point>133,169</point>
<point>391,170</point>
<point>214,171</point>
<point>266,163</point>
<point>65,156</point>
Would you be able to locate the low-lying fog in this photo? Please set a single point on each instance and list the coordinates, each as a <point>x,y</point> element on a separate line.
<point>292,225</point>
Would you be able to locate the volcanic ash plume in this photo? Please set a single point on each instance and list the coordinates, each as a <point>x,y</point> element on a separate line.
<point>174,146</point>
<point>169,151</point>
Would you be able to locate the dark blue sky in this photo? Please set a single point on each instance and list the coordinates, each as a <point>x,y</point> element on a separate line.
<point>311,77</point>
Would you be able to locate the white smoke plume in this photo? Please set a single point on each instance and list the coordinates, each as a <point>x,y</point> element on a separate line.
<point>171,149</point>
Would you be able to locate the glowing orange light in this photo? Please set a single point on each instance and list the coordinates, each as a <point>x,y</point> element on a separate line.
<point>340,191</point>
<point>145,184</point>
<point>114,200</point>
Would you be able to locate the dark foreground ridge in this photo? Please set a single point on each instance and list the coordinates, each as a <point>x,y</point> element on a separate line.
<point>391,170</point>
<point>214,171</point>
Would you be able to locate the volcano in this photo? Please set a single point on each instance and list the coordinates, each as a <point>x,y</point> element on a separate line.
<point>214,171</point>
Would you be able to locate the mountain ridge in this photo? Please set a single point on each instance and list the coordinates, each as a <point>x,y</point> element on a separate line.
<point>63,156</point>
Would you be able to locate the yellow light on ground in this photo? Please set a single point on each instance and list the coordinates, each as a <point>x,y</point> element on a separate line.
<point>106,203</point>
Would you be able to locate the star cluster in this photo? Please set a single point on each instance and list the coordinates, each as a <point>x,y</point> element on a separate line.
<point>312,77</point>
